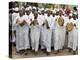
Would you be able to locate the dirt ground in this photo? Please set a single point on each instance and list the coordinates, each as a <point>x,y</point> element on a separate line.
<point>40,54</point>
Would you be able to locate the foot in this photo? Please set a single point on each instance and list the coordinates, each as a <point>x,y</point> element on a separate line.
<point>22,51</point>
<point>25,53</point>
<point>74,52</point>
<point>14,44</point>
<point>69,50</point>
<point>47,53</point>
<point>36,53</point>
<point>44,50</point>
<point>60,50</point>
<point>32,51</point>
<point>55,52</point>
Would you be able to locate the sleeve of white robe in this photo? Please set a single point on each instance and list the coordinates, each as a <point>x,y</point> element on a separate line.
<point>15,20</point>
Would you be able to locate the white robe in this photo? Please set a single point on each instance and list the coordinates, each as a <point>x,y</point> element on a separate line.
<point>40,19</point>
<point>22,39</point>
<point>51,21</point>
<point>59,36</point>
<point>53,29</point>
<point>14,15</point>
<point>73,36</point>
<point>46,39</point>
<point>35,37</point>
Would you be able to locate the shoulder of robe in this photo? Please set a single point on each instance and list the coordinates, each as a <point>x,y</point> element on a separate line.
<point>17,17</point>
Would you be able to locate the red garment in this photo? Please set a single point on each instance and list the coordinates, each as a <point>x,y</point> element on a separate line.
<point>68,11</point>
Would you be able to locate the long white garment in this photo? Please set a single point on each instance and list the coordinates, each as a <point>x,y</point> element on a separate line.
<point>22,39</point>
<point>51,21</point>
<point>14,15</point>
<point>59,36</point>
<point>46,39</point>
<point>73,36</point>
<point>35,36</point>
<point>40,19</point>
<point>53,29</point>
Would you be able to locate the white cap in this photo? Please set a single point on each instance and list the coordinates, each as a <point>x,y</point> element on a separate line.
<point>46,9</point>
<point>16,9</point>
<point>21,7</point>
<point>34,7</point>
<point>42,9</point>
<point>70,14</point>
<point>27,9</point>
<point>75,13</point>
<point>30,7</point>
<point>53,11</point>
<point>39,11</point>
<point>12,8</point>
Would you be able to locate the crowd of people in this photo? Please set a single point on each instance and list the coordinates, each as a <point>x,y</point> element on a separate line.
<point>37,28</point>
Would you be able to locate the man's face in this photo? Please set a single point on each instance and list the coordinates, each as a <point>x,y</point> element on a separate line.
<point>49,13</point>
<point>53,14</point>
<point>42,13</point>
<point>27,12</point>
<point>74,17</point>
<point>70,17</point>
<point>60,13</point>
<point>20,12</point>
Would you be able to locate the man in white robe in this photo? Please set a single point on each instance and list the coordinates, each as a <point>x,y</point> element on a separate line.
<point>14,15</point>
<point>41,19</point>
<point>51,22</point>
<point>46,34</point>
<point>45,17</point>
<point>73,36</point>
<point>28,16</point>
<point>22,30</point>
<point>53,29</point>
<point>35,35</point>
<point>59,34</point>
